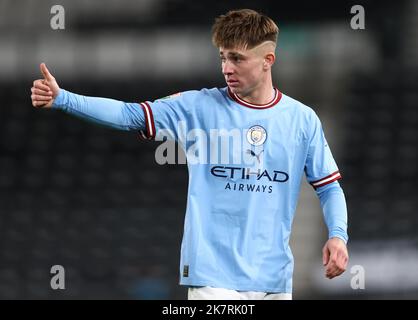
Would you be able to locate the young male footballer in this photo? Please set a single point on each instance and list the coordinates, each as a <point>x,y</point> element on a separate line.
<point>239,212</point>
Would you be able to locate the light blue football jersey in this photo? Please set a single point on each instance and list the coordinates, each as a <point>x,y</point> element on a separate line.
<point>243,193</point>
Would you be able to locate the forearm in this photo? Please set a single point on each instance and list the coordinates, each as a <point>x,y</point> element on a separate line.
<point>108,112</point>
<point>334,208</point>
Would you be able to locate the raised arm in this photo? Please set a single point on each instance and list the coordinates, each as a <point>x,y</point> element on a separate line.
<point>108,112</point>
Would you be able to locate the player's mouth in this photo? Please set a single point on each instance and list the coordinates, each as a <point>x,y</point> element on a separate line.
<point>232,83</point>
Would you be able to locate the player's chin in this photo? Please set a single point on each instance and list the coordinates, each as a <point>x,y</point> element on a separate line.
<point>234,89</point>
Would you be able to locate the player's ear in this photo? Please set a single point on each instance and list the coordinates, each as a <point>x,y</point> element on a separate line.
<point>269,59</point>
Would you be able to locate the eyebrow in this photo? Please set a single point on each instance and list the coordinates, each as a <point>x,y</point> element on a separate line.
<point>233,54</point>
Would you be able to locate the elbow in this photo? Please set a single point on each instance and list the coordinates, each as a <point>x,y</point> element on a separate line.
<point>132,117</point>
<point>329,189</point>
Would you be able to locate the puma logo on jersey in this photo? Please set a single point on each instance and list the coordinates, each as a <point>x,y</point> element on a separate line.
<point>252,153</point>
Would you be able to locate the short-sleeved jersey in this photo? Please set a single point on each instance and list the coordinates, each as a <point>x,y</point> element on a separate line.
<point>246,164</point>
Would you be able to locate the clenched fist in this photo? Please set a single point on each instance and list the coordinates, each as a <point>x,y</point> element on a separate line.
<point>334,257</point>
<point>44,91</point>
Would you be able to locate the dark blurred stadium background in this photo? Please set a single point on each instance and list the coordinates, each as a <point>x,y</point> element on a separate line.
<point>94,200</point>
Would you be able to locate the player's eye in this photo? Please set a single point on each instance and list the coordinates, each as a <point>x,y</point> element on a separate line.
<point>236,59</point>
<point>222,59</point>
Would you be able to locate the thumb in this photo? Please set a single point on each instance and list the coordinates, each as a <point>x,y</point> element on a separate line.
<point>45,72</point>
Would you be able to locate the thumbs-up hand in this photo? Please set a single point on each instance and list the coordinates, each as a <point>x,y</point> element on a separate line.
<point>44,91</point>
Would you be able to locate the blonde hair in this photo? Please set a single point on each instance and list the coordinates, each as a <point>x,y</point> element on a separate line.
<point>243,28</point>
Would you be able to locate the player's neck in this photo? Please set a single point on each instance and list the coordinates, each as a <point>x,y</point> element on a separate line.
<point>261,95</point>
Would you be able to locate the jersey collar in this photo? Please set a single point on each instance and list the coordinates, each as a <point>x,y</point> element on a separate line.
<point>276,99</point>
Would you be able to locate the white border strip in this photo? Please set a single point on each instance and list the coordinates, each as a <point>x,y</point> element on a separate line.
<point>335,175</point>
<point>276,92</point>
<point>148,119</point>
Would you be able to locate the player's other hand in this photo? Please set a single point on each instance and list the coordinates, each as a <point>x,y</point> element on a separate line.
<point>44,91</point>
<point>334,257</point>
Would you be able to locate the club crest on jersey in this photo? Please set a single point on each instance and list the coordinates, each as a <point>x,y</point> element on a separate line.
<point>256,135</point>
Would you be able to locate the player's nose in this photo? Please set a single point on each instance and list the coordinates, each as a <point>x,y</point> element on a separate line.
<point>227,68</point>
